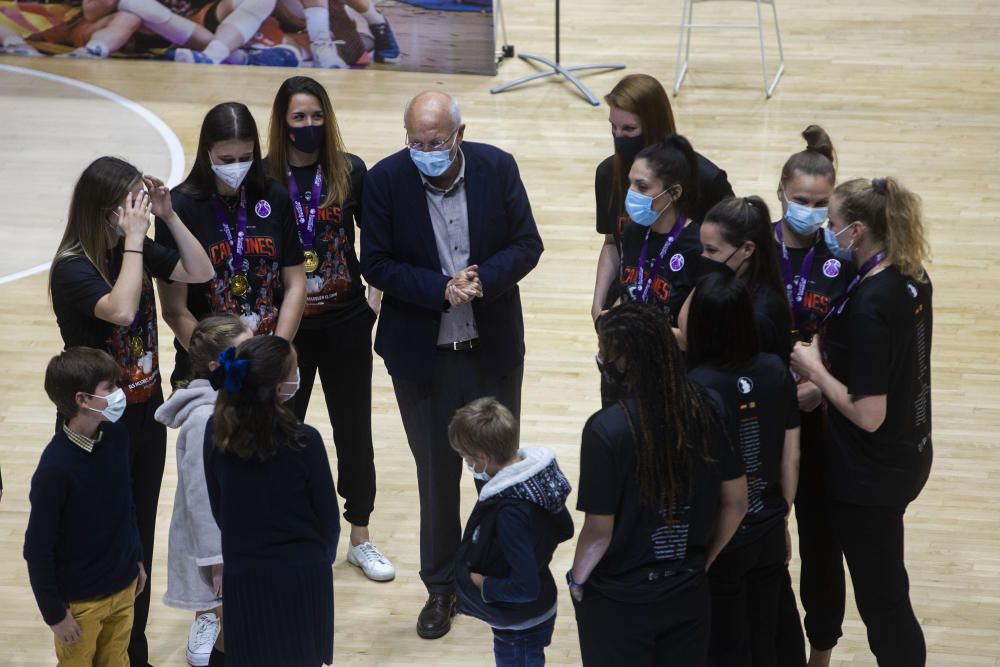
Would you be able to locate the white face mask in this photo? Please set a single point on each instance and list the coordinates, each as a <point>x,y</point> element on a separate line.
<point>115,407</point>
<point>232,174</point>
<point>287,396</point>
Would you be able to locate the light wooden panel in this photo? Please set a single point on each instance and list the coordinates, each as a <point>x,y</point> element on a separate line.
<point>905,88</point>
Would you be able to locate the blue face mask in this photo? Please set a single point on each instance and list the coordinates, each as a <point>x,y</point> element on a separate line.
<point>431,163</point>
<point>640,208</point>
<point>804,220</point>
<point>833,243</point>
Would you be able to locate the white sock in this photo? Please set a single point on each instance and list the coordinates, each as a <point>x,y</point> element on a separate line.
<point>98,48</point>
<point>247,17</point>
<point>217,51</point>
<point>318,24</point>
<point>175,29</point>
<point>371,14</point>
<point>12,40</point>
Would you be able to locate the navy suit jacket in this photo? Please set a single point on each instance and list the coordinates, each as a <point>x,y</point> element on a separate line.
<point>399,257</point>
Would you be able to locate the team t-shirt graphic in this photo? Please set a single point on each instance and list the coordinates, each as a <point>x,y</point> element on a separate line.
<point>671,539</point>
<point>261,267</point>
<point>135,350</point>
<point>329,286</point>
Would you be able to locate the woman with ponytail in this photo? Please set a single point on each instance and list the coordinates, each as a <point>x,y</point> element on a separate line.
<point>271,492</point>
<point>640,115</point>
<point>872,364</point>
<point>814,279</point>
<point>737,238</point>
<point>663,491</point>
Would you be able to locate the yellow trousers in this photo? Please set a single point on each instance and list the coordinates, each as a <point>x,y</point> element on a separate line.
<point>105,626</point>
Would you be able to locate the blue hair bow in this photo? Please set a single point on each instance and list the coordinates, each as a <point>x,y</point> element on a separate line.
<point>231,372</point>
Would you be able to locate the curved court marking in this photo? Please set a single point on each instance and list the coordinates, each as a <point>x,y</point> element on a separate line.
<point>173,143</point>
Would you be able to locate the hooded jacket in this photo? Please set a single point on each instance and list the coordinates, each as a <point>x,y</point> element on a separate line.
<point>511,535</point>
<point>195,542</point>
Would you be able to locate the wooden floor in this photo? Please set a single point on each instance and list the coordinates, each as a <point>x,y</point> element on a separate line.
<point>910,88</point>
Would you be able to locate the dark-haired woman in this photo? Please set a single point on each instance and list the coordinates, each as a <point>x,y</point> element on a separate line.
<point>750,576</point>
<point>334,338</point>
<point>814,280</point>
<point>244,222</point>
<point>640,115</point>
<point>271,492</point>
<point>873,366</point>
<point>102,293</point>
<point>663,491</point>
<point>737,238</point>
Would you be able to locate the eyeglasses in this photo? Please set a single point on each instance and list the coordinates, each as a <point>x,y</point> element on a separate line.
<point>435,145</point>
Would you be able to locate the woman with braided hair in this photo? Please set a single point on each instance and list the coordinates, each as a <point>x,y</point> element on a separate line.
<point>871,361</point>
<point>663,491</point>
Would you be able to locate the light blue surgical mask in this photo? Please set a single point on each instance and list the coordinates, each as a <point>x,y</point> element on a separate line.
<point>480,476</point>
<point>431,163</point>
<point>804,220</point>
<point>833,243</point>
<point>640,208</point>
<point>115,407</point>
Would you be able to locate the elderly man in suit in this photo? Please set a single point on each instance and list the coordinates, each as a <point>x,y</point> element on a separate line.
<point>447,233</point>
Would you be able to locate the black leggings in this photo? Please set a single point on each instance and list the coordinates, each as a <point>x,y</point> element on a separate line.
<point>342,354</point>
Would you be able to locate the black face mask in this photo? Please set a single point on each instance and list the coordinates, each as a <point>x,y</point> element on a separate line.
<point>307,139</point>
<point>628,147</point>
<point>613,376</point>
<point>706,266</point>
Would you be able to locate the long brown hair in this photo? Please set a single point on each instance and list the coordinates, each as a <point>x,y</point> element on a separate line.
<point>100,190</point>
<point>644,96</point>
<point>253,421</point>
<point>332,156</point>
<point>675,416</point>
<point>229,120</point>
<point>894,215</point>
<point>211,336</point>
<point>817,159</point>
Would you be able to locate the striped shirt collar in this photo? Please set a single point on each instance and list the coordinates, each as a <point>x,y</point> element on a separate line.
<point>82,441</point>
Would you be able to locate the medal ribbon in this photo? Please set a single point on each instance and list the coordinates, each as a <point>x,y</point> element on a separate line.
<point>796,289</point>
<point>653,270</point>
<point>236,248</point>
<point>306,225</point>
<point>838,307</point>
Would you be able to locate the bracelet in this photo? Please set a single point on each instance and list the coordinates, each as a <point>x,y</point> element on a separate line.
<point>569,580</point>
<point>138,252</point>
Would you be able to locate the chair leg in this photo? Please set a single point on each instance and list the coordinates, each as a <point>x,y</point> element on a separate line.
<point>770,84</point>
<point>683,46</point>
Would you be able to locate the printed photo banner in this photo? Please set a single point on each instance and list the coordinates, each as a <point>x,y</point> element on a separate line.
<point>448,36</point>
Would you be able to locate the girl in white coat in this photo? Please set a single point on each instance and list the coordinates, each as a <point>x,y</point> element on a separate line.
<point>194,552</point>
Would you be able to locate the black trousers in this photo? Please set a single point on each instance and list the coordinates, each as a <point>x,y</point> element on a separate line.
<point>147,451</point>
<point>746,582</point>
<point>821,576</point>
<point>673,632</point>
<point>426,409</point>
<point>342,354</point>
<point>872,543</point>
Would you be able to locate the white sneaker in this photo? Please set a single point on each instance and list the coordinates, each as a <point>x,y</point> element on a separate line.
<point>371,561</point>
<point>201,639</point>
<point>19,49</point>
<point>325,55</point>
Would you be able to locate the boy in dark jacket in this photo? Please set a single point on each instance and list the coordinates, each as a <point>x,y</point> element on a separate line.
<point>82,542</point>
<point>502,569</point>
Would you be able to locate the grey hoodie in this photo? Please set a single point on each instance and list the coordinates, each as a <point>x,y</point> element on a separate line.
<point>195,542</point>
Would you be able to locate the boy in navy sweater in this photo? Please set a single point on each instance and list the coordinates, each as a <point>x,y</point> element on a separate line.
<point>502,570</point>
<point>82,542</point>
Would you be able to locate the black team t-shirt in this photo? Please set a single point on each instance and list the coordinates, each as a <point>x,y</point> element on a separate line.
<point>77,286</point>
<point>773,320</point>
<point>760,405</point>
<point>335,291</point>
<point>651,554</point>
<point>880,344</point>
<point>676,275</point>
<point>272,243</point>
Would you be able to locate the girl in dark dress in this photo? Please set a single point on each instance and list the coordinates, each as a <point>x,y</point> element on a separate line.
<point>272,494</point>
<point>872,363</point>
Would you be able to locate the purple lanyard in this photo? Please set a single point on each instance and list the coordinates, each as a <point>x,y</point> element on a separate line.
<point>653,270</point>
<point>307,226</point>
<point>838,307</point>
<point>113,271</point>
<point>796,289</point>
<point>235,249</point>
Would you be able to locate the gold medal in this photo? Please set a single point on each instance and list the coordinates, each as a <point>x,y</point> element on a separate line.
<point>239,284</point>
<point>311,261</point>
<point>137,347</point>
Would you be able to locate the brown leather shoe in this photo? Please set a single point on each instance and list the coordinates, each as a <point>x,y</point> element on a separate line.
<point>435,618</point>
